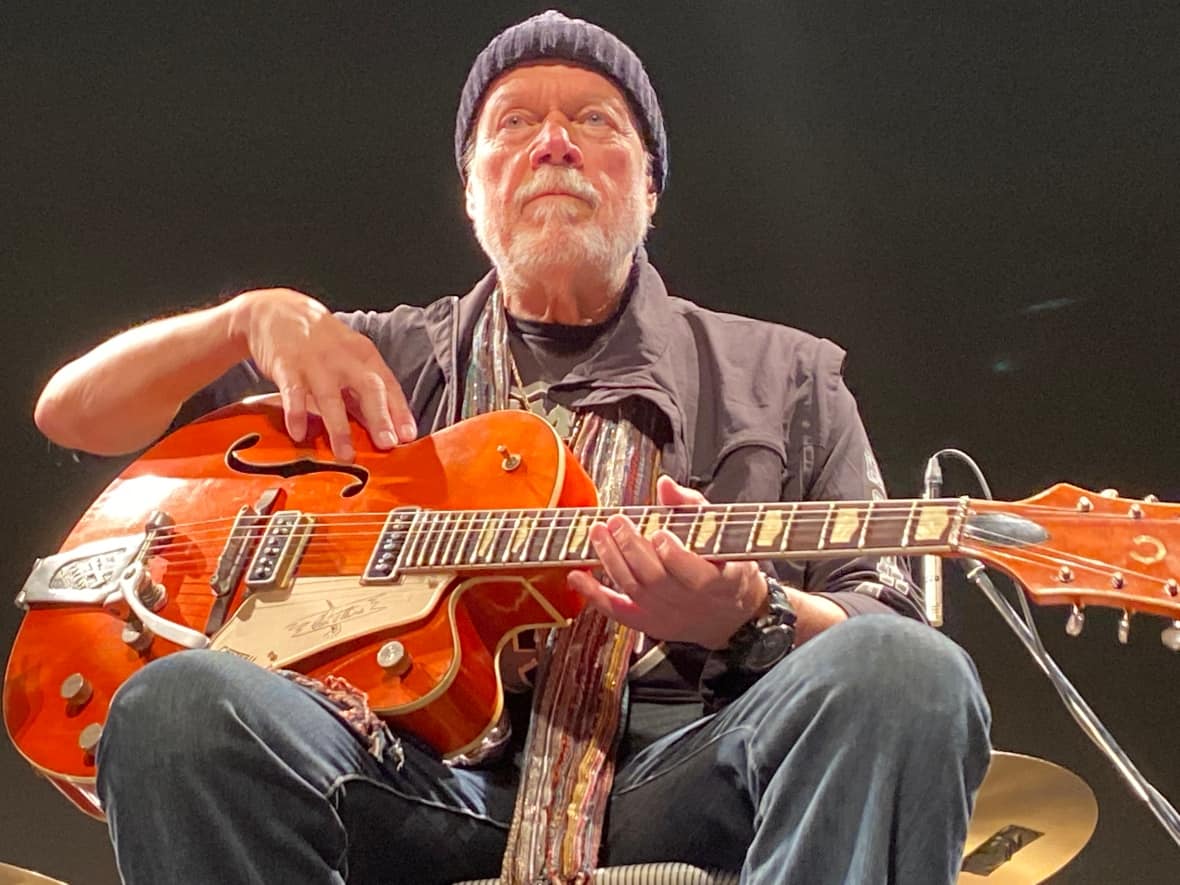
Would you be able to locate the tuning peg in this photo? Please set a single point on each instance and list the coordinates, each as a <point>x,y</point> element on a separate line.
<point>1150,499</point>
<point>1077,620</point>
<point>1170,636</point>
<point>1124,627</point>
<point>1109,493</point>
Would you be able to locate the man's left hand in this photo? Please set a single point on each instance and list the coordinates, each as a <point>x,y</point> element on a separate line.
<point>665,590</point>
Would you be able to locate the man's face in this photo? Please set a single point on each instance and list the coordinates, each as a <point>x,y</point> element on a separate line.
<point>558,176</point>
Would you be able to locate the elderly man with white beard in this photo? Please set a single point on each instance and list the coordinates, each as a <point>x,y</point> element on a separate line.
<point>794,721</point>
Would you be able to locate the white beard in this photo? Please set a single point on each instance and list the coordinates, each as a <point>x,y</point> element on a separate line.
<point>563,239</point>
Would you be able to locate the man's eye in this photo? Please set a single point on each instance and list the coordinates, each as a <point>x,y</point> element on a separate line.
<point>595,118</point>
<point>513,121</point>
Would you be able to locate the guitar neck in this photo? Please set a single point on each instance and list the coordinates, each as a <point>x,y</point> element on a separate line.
<point>420,540</point>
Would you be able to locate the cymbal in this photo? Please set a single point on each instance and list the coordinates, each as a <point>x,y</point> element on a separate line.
<point>10,875</point>
<point>1031,818</point>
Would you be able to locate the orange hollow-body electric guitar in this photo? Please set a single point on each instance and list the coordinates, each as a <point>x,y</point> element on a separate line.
<point>407,571</point>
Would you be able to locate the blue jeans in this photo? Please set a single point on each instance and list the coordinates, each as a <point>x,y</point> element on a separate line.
<point>855,760</point>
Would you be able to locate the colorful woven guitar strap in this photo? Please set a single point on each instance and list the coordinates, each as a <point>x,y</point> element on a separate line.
<point>568,765</point>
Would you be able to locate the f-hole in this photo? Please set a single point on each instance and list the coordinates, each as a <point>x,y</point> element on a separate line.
<point>298,467</point>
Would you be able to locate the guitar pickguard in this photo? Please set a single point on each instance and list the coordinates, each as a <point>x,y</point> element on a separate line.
<point>276,628</point>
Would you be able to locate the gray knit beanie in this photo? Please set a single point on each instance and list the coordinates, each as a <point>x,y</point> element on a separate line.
<point>553,35</point>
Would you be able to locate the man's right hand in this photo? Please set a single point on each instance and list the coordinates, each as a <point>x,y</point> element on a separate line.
<point>125,392</point>
<point>320,365</point>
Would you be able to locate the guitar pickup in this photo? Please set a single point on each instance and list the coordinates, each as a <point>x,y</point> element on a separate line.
<point>279,550</point>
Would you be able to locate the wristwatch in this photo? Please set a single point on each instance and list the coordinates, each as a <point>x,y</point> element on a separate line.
<point>762,642</point>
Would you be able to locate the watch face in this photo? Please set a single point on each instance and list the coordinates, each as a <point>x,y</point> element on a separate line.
<point>769,648</point>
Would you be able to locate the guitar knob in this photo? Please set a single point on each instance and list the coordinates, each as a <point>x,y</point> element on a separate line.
<point>89,738</point>
<point>1077,620</point>
<point>76,690</point>
<point>1170,636</point>
<point>1124,627</point>
<point>392,656</point>
<point>137,635</point>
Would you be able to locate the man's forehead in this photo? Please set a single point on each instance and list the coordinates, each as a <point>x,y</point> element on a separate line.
<point>570,81</point>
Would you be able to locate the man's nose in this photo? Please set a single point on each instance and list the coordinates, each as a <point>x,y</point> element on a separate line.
<point>553,145</point>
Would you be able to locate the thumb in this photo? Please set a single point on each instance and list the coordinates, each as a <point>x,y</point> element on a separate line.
<point>669,492</point>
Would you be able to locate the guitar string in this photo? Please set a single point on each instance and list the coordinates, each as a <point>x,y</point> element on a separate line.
<point>509,523</point>
<point>739,515</point>
<point>1047,555</point>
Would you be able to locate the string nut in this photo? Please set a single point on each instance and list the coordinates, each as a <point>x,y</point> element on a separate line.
<point>1076,621</point>
<point>1172,587</point>
<point>1085,505</point>
<point>1117,581</point>
<point>1065,574</point>
<point>1136,512</point>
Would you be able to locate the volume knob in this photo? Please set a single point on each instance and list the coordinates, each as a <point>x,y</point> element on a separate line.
<point>76,689</point>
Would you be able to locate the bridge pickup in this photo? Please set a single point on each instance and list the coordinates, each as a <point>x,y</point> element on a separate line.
<point>281,545</point>
<point>231,564</point>
<point>383,564</point>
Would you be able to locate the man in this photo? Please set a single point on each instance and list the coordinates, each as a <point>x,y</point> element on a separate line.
<point>843,744</point>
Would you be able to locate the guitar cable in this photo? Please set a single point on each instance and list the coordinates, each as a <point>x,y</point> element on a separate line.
<point>1026,631</point>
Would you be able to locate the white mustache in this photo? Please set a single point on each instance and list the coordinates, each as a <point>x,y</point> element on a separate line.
<point>551,178</point>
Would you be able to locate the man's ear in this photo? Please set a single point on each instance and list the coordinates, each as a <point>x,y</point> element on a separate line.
<point>469,198</point>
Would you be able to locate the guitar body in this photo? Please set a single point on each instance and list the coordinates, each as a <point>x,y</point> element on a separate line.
<point>69,658</point>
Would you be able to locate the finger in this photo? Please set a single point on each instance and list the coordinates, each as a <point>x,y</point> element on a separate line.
<point>680,563</point>
<point>334,414</point>
<point>610,602</point>
<point>669,492</point>
<point>294,397</point>
<point>627,556</point>
<point>399,409</point>
<point>374,410</point>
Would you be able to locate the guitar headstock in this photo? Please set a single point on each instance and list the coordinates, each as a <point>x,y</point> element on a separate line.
<point>1095,548</point>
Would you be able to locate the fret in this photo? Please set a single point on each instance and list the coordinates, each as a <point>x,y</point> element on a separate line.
<point>864,529</point>
<point>905,533</point>
<point>843,524</point>
<point>457,533</point>
<point>486,535</point>
<point>417,537</point>
<point>651,522</point>
<point>680,522</point>
<point>543,553</point>
<point>586,550</point>
<point>577,536</point>
<point>769,526</point>
<point>468,552</point>
<point>935,520</point>
<point>722,524</point>
<point>785,543</point>
<point>518,544</point>
<point>755,524</point>
<point>823,529</point>
<point>808,531</point>
<point>502,542</point>
<point>444,525</point>
<point>706,529</point>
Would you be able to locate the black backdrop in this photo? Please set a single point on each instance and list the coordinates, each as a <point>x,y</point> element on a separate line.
<point>979,201</point>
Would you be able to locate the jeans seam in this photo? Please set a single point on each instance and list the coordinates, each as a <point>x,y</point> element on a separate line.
<point>416,800</point>
<point>679,761</point>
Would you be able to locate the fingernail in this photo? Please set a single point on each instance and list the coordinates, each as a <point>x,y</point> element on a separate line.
<point>407,431</point>
<point>660,542</point>
<point>346,453</point>
<point>386,439</point>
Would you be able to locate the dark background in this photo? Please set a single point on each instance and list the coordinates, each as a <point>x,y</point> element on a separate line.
<point>979,201</point>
